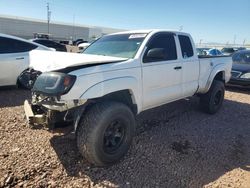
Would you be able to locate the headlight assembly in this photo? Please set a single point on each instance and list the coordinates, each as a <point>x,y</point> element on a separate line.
<point>246,75</point>
<point>54,83</point>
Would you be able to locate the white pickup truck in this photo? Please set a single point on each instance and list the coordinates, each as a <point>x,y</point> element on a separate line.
<point>120,75</point>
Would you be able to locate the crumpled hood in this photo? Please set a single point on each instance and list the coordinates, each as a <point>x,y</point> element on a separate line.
<point>45,61</point>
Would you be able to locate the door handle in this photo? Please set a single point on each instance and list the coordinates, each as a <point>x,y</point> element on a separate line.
<point>19,58</point>
<point>178,68</point>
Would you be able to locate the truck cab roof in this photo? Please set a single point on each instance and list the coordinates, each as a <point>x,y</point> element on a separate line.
<point>147,31</point>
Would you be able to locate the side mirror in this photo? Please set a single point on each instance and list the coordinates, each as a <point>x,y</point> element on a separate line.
<point>155,54</point>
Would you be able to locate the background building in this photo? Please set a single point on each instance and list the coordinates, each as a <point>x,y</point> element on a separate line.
<point>26,27</point>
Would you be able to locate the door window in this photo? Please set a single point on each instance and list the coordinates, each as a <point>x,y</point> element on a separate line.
<point>8,45</point>
<point>161,47</point>
<point>186,46</point>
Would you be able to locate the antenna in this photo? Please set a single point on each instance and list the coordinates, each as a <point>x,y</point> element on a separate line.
<point>48,16</point>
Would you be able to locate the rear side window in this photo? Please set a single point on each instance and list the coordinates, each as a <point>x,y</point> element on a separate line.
<point>8,45</point>
<point>186,46</point>
<point>164,41</point>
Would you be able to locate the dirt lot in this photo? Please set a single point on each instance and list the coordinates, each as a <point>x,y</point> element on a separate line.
<point>176,146</point>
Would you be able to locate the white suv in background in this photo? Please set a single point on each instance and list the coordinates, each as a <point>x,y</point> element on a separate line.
<point>14,57</point>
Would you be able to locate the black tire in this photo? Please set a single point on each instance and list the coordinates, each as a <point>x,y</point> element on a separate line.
<point>212,101</point>
<point>105,132</point>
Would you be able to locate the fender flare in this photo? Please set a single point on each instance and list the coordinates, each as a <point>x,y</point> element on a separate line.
<point>218,68</point>
<point>108,86</point>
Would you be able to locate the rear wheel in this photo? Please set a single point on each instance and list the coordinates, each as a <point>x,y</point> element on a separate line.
<point>105,133</point>
<point>212,101</point>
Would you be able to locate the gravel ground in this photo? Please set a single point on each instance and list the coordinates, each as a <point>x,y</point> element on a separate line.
<point>176,146</point>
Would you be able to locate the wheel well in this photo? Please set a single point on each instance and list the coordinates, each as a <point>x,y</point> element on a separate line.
<point>220,76</point>
<point>123,96</point>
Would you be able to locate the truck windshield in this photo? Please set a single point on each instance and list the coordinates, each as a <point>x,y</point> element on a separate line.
<point>120,45</point>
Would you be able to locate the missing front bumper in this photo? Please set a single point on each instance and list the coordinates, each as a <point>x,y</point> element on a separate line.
<point>52,116</point>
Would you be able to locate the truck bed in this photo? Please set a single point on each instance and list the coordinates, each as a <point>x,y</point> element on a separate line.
<point>209,56</point>
<point>208,64</point>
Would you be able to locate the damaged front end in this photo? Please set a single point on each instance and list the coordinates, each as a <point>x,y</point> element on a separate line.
<point>27,78</point>
<point>47,108</point>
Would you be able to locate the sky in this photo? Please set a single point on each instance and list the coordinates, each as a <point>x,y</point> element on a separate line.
<point>222,21</point>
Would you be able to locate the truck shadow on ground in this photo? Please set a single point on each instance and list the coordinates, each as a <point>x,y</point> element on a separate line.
<point>11,96</point>
<point>176,146</point>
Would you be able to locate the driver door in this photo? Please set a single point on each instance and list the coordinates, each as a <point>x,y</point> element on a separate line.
<point>162,76</point>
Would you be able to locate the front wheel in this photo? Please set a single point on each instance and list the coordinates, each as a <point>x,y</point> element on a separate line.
<point>105,133</point>
<point>212,101</point>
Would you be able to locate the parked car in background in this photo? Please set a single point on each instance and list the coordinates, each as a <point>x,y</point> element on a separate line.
<point>228,51</point>
<point>51,44</point>
<point>231,50</point>
<point>65,42</point>
<point>41,35</point>
<point>240,48</point>
<point>79,41</point>
<point>208,52</point>
<point>240,74</point>
<point>202,51</point>
<point>14,57</point>
<point>214,52</point>
<point>83,46</point>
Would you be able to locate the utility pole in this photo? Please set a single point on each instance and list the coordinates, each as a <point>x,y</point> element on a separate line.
<point>200,42</point>
<point>244,41</point>
<point>48,16</point>
<point>74,37</point>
